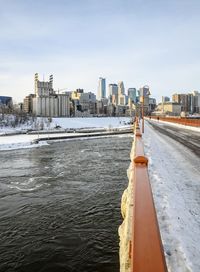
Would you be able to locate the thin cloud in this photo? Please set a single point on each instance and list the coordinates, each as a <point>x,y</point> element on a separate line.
<point>139,42</point>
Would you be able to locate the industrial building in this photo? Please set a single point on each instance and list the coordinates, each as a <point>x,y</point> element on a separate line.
<point>47,103</point>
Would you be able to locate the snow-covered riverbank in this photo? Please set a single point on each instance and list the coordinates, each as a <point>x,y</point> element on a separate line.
<point>26,141</point>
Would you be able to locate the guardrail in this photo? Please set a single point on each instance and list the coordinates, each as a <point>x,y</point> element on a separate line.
<point>147,253</point>
<point>141,248</point>
<point>183,121</point>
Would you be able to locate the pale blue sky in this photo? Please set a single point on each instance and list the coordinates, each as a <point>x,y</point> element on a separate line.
<point>138,41</point>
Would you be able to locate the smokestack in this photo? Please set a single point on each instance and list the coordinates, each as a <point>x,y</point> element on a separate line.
<point>36,81</point>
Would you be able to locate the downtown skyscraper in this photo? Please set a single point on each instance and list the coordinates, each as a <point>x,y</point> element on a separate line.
<point>101,88</point>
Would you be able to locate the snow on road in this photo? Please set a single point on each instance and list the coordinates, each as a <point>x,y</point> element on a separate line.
<point>175,178</point>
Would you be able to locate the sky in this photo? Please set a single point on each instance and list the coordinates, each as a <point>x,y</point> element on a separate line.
<point>139,42</point>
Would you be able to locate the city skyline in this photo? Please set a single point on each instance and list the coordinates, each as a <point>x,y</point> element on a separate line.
<point>138,42</point>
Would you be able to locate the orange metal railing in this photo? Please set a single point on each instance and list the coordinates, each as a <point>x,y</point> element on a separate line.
<point>147,253</point>
<point>183,121</point>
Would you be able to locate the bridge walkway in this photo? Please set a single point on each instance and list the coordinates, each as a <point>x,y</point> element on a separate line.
<point>174,171</point>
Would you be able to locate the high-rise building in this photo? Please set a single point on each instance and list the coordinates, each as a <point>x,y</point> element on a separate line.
<point>193,102</point>
<point>165,99</point>
<point>176,98</point>
<point>87,102</point>
<point>121,94</point>
<point>190,102</point>
<point>144,98</point>
<point>114,99</point>
<point>122,100</point>
<point>132,94</point>
<point>113,89</point>
<point>28,103</point>
<point>152,104</point>
<point>6,101</point>
<point>182,99</point>
<point>77,94</point>
<point>6,104</point>
<point>101,88</point>
<point>83,102</point>
<point>121,90</point>
<point>144,91</point>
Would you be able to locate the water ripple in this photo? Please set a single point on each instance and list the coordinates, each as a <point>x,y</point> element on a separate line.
<point>60,206</point>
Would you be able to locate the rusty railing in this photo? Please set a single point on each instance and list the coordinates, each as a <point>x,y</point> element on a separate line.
<point>147,253</point>
<point>183,121</point>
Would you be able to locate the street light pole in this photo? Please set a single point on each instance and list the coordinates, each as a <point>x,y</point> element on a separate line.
<point>143,113</point>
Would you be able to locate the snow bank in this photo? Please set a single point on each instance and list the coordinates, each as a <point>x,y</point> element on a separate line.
<point>13,146</point>
<point>25,141</point>
<point>18,142</point>
<point>174,124</point>
<point>43,123</point>
<point>174,173</point>
<point>93,122</point>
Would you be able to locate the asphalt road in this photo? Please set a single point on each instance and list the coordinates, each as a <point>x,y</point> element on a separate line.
<point>189,138</point>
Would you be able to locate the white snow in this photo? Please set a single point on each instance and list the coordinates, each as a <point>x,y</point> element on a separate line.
<point>18,142</point>
<point>175,177</point>
<point>25,141</point>
<point>96,122</point>
<point>174,124</point>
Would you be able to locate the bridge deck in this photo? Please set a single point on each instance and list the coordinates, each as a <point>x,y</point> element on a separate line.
<point>174,169</point>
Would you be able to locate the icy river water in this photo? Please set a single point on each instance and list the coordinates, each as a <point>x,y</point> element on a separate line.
<point>60,205</point>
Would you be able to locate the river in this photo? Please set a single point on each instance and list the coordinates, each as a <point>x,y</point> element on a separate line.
<point>60,205</point>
